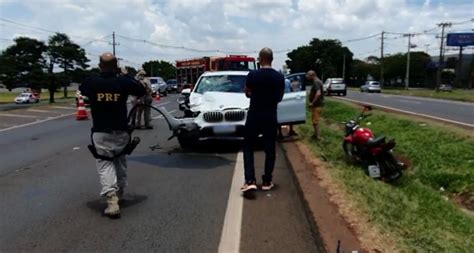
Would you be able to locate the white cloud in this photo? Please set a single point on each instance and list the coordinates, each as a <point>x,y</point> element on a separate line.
<point>244,25</point>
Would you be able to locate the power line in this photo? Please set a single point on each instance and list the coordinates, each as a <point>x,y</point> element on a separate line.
<point>194,49</point>
<point>42,29</point>
<point>462,22</point>
<point>96,40</point>
<point>359,39</point>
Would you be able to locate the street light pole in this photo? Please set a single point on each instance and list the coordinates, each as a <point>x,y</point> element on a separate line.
<point>407,76</point>
<point>344,67</point>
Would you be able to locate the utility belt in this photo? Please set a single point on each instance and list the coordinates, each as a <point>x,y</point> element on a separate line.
<point>127,150</point>
<point>132,142</point>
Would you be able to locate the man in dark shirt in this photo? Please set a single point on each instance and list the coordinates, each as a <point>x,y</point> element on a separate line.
<point>108,94</point>
<point>316,101</point>
<point>265,88</point>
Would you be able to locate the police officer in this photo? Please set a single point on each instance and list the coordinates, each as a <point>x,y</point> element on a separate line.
<point>265,88</point>
<point>147,100</point>
<point>108,94</point>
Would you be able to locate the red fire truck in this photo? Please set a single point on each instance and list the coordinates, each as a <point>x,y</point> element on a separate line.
<point>188,71</point>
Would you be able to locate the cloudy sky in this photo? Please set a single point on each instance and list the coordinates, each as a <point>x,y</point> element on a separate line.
<point>230,26</point>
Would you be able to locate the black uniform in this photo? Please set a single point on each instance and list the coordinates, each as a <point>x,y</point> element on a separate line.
<point>108,94</point>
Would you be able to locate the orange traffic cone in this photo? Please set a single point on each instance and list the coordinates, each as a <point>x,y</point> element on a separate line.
<point>157,97</point>
<point>81,110</point>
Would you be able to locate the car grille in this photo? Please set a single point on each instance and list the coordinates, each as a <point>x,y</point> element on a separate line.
<point>213,117</point>
<point>235,115</point>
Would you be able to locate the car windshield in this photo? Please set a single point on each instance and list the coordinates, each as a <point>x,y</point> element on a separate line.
<point>171,81</point>
<point>222,83</point>
<point>153,81</point>
<point>25,95</point>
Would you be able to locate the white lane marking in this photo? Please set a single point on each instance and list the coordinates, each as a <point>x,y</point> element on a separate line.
<point>35,110</point>
<point>230,237</point>
<point>164,103</point>
<point>36,122</point>
<point>408,112</point>
<point>161,116</point>
<point>64,107</point>
<point>18,115</point>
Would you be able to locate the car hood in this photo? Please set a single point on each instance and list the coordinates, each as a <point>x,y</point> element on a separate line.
<point>212,101</point>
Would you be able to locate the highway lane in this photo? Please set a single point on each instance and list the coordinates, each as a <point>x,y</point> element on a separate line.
<point>450,111</point>
<point>176,201</point>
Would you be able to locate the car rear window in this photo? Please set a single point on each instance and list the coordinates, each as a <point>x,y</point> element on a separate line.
<point>375,83</point>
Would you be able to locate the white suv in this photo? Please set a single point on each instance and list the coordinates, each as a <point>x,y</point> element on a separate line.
<point>335,86</point>
<point>219,108</point>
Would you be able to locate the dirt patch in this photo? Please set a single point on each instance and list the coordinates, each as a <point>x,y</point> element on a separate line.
<point>465,200</point>
<point>335,214</point>
<point>406,161</point>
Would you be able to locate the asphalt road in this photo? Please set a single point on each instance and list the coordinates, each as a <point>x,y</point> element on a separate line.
<point>176,201</point>
<point>450,111</point>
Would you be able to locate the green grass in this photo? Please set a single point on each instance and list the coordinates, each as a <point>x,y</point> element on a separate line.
<point>413,210</point>
<point>457,94</point>
<point>8,97</point>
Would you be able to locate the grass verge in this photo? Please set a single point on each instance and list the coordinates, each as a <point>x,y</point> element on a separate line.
<point>458,94</point>
<point>8,97</point>
<point>414,210</point>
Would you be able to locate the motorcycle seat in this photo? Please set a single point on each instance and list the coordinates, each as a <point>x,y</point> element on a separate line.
<point>377,141</point>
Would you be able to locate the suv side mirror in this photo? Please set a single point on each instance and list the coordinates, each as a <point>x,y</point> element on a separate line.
<point>186,92</point>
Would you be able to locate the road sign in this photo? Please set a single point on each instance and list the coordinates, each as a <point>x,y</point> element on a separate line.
<point>460,39</point>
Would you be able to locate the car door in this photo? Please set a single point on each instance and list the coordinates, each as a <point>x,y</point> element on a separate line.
<point>292,108</point>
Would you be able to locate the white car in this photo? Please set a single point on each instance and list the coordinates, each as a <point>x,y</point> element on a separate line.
<point>335,86</point>
<point>26,98</point>
<point>219,108</point>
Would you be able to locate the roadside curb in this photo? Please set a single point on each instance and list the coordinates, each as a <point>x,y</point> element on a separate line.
<point>326,221</point>
<point>319,240</point>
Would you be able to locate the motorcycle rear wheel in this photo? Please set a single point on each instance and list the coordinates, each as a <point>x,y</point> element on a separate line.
<point>391,167</point>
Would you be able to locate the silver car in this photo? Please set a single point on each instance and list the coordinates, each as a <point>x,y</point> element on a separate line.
<point>158,86</point>
<point>371,86</point>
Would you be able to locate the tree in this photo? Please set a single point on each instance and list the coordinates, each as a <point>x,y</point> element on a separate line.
<point>68,56</point>
<point>324,56</point>
<point>395,68</point>
<point>361,70</point>
<point>160,68</point>
<point>23,63</point>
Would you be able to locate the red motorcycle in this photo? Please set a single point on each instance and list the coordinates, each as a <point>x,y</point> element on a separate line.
<point>362,147</point>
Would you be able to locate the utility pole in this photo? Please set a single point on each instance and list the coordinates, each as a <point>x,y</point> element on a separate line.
<point>441,56</point>
<point>113,43</point>
<point>381,59</point>
<point>407,77</point>
<point>344,67</point>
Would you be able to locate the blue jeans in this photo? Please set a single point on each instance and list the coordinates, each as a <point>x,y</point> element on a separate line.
<point>264,123</point>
